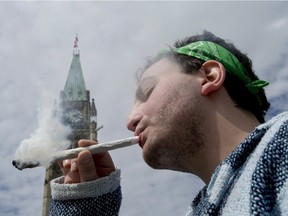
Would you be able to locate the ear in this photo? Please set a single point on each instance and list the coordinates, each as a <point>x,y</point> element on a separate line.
<point>214,76</point>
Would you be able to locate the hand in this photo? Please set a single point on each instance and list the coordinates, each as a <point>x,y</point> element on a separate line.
<point>87,167</point>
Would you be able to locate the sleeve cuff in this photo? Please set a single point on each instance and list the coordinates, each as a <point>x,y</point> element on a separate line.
<point>61,191</point>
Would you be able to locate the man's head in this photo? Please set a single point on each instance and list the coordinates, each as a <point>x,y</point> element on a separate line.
<point>255,102</point>
<point>167,116</point>
<point>185,107</point>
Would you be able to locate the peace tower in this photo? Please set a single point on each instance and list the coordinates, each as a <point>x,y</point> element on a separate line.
<point>78,112</point>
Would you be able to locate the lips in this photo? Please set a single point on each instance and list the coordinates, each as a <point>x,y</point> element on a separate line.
<point>141,140</point>
<point>141,137</point>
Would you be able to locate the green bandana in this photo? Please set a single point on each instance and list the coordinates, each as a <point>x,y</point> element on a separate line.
<point>206,50</point>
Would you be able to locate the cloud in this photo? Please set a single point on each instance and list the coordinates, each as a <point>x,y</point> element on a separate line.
<point>279,23</point>
<point>114,39</point>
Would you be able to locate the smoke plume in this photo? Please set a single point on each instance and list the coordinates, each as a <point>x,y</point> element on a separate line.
<point>50,136</point>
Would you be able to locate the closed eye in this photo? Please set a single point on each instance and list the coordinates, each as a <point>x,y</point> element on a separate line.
<point>149,92</point>
<point>143,95</point>
<point>145,88</point>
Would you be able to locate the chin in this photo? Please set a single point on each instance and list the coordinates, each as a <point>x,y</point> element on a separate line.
<point>159,158</point>
<point>156,164</point>
<point>155,160</point>
<point>151,160</point>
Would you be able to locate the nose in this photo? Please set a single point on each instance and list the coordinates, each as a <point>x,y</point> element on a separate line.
<point>133,121</point>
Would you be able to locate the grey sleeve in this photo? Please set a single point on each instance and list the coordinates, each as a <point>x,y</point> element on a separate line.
<point>99,197</point>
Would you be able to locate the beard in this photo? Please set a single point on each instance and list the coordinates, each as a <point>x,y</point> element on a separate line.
<point>175,136</point>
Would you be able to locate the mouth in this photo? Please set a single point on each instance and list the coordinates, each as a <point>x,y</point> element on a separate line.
<point>139,132</point>
<point>141,140</point>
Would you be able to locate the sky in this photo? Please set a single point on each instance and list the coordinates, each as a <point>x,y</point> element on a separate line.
<point>115,39</point>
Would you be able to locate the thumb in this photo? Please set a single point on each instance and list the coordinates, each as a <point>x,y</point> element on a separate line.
<point>86,167</point>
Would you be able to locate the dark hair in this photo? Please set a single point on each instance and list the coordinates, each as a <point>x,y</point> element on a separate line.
<point>256,104</point>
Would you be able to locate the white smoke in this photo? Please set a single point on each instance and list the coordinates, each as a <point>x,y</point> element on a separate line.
<point>50,137</point>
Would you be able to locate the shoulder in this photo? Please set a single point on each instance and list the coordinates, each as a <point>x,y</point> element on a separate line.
<point>270,176</point>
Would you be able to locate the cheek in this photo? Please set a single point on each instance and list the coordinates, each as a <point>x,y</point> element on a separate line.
<point>156,103</point>
<point>163,107</point>
<point>169,101</point>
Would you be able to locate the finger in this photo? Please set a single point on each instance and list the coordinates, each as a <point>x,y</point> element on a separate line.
<point>84,142</point>
<point>104,164</point>
<point>103,161</point>
<point>73,175</point>
<point>64,166</point>
<point>86,167</point>
<point>74,166</point>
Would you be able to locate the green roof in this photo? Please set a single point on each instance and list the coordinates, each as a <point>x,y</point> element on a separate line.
<point>75,88</point>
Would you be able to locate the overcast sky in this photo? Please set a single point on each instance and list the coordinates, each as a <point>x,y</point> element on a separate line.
<point>115,38</point>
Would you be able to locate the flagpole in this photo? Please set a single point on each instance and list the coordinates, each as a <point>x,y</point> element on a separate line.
<point>76,50</point>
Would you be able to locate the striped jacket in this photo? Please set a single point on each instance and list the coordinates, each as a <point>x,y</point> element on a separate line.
<point>252,180</point>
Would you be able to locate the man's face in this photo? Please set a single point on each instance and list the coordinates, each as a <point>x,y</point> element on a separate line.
<point>167,116</point>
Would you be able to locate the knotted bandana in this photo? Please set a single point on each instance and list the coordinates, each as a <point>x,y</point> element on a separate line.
<point>206,50</point>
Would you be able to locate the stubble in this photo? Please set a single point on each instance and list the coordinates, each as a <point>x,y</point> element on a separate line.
<point>178,135</point>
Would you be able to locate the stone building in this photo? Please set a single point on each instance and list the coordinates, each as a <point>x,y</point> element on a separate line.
<point>78,111</point>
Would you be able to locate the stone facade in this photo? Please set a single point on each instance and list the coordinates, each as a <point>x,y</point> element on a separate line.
<point>77,111</point>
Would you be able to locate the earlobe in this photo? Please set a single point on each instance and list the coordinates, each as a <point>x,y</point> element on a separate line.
<point>214,76</point>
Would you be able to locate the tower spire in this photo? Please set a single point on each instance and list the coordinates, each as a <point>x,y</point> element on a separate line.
<point>75,88</point>
<point>93,111</point>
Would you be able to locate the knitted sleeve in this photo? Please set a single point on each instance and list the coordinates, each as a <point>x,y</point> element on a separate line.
<point>99,197</point>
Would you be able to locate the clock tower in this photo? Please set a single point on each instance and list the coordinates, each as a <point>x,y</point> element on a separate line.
<point>77,111</point>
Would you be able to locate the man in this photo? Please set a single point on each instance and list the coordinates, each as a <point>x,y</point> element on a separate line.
<point>199,108</point>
